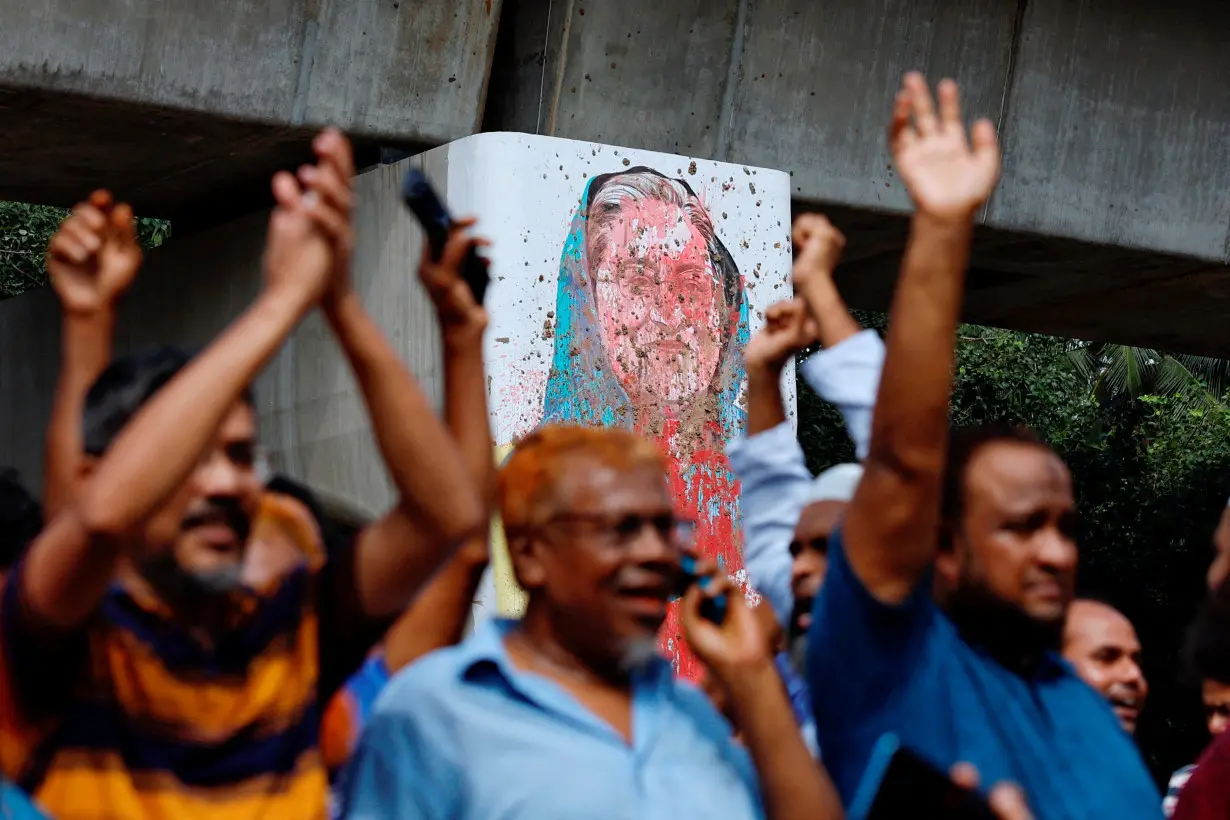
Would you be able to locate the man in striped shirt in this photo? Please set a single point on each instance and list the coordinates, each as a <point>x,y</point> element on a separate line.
<point>139,675</point>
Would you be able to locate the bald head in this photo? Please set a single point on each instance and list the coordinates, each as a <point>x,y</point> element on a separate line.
<point>1101,644</point>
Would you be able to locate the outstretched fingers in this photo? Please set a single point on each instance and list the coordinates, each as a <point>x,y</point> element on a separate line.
<point>900,131</point>
<point>921,104</point>
<point>950,104</point>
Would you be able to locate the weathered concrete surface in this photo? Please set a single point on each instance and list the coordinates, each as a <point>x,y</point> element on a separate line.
<point>1112,221</point>
<point>312,418</point>
<point>1113,218</point>
<point>179,104</point>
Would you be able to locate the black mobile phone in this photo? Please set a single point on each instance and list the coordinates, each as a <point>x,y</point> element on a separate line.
<point>900,785</point>
<point>423,202</point>
<point>711,609</point>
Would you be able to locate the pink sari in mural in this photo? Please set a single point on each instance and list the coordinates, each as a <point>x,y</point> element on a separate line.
<point>651,324</point>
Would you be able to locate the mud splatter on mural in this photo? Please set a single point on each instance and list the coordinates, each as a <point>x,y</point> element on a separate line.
<point>626,285</point>
<point>651,328</point>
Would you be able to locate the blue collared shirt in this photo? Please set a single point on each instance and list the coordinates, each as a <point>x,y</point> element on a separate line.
<point>773,472</point>
<point>875,668</point>
<point>463,733</point>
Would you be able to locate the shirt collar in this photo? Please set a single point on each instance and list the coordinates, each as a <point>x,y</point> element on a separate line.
<point>486,647</point>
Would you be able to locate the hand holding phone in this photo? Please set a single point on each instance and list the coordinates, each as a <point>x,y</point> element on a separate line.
<point>437,223</point>
<point>900,785</point>
<point>711,609</point>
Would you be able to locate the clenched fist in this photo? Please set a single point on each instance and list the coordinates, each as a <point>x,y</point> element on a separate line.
<point>818,246</point>
<point>94,256</point>
<point>788,328</point>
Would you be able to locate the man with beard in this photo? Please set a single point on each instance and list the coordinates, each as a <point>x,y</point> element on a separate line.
<point>1101,644</point>
<point>969,671</point>
<point>571,712</point>
<point>138,676</point>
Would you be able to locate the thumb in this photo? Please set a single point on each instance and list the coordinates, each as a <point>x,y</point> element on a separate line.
<point>123,224</point>
<point>1008,803</point>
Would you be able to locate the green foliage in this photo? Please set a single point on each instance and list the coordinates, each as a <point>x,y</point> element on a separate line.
<point>1119,370</point>
<point>25,231</point>
<point>1151,472</point>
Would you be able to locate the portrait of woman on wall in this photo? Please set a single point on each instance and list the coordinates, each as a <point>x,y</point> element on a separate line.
<point>651,322</point>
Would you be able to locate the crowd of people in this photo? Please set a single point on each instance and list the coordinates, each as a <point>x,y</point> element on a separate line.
<point>183,634</point>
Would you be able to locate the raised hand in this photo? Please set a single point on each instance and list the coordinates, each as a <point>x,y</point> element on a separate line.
<point>818,248</point>
<point>948,175</point>
<point>459,313</point>
<point>331,202</point>
<point>310,236</point>
<point>788,328</point>
<point>94,256</point>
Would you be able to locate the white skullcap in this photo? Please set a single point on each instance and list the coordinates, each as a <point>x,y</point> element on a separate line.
<point>835,484</point>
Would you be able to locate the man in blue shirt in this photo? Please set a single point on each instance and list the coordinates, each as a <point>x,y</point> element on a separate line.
<point>571,712</point>
<point>968,672</point>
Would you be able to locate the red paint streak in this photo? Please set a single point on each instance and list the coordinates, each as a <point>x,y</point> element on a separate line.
<point>715,535</point>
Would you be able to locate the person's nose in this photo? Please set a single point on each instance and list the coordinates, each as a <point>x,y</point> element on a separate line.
<point>804,572</point>
<point>666,310</point>
<point>220,477</point>
<point>1056,551</point>
<point>1134,676</point>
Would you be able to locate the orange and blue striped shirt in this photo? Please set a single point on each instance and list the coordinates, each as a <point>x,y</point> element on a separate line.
<point>138,718</point>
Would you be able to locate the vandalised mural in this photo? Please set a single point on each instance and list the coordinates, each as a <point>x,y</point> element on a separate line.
<point>626,286</point>
<point>651,324</point>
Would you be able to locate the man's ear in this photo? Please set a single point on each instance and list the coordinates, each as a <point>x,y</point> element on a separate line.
<point>526,560</point>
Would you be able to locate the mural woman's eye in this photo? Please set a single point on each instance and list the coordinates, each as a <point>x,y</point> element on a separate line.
<point>693,290</point>
<point>640,285</point>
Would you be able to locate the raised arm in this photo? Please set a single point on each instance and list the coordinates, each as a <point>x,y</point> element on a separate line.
<point>846,373</point>
<point>769,462</point>
<point>890,532</point>
<point>793,785</point>
<point>71,564</point>
<point>92,260</point>
<point>438,616</point>
<point>439,505</point>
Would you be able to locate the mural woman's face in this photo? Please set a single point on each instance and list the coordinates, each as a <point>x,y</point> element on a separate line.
<point>658,302</point>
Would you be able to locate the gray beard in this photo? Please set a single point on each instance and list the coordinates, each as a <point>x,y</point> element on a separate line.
<point>638,654</point>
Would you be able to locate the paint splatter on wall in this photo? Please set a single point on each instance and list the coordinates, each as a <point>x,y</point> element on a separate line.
<point>626,286</point>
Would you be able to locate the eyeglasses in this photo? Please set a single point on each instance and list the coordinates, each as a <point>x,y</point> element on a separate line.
<point>622,530</point>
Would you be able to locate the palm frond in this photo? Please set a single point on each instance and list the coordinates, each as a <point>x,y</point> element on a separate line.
<point>1122,370</point>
